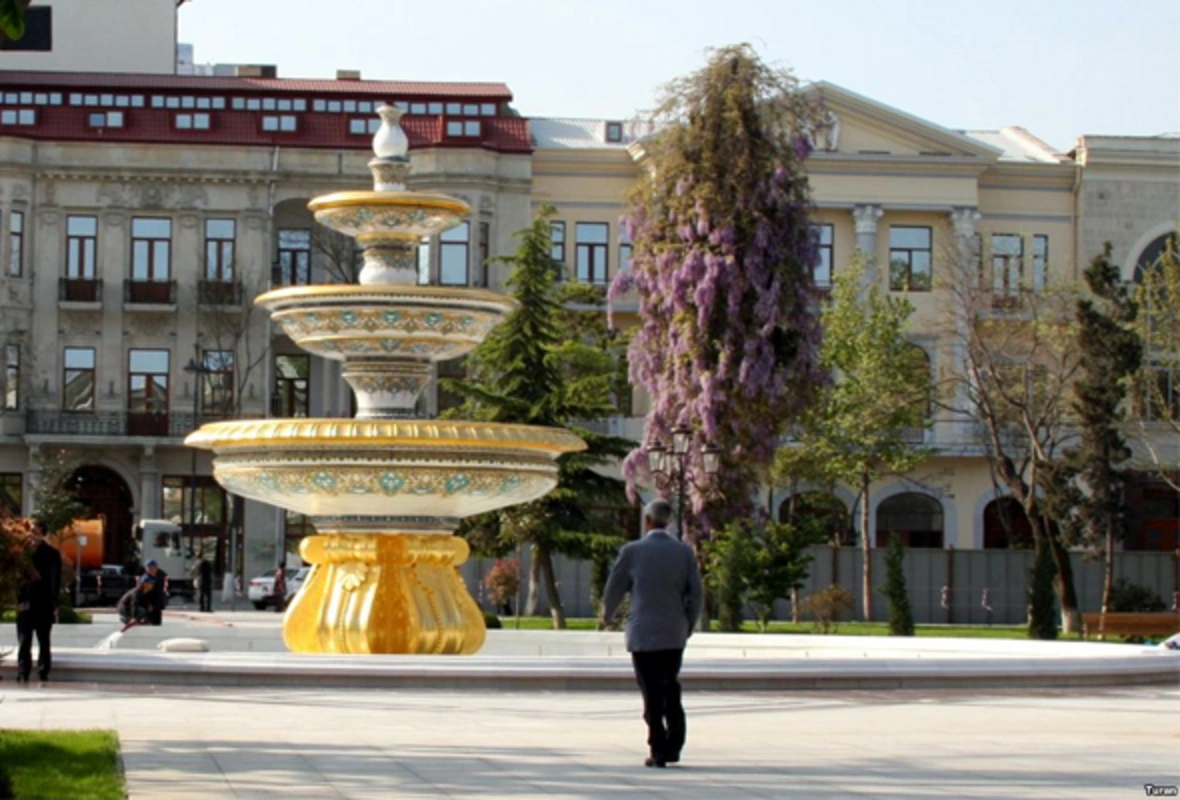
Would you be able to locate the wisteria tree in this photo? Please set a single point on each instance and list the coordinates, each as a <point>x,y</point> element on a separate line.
<point>729,329</point>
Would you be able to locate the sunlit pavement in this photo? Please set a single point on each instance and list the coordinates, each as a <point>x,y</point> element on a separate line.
<point>198,742</point>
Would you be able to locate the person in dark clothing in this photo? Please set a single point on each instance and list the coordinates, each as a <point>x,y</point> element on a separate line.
<point>135,606</point>
<point>660,573</point>
<point>36,606</point>
<point>280,588</point>
<point>158,596</point>
<point>203,577</point>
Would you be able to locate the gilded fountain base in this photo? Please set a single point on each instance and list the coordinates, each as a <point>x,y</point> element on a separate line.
<point>382,593</point>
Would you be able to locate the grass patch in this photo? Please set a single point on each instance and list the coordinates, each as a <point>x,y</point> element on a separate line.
<point>65,616</point>
<point>807,628</point>
<point>80,765</point>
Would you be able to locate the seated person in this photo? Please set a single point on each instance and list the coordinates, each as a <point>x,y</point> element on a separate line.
<point>137,606</point>
<point>159,592</point>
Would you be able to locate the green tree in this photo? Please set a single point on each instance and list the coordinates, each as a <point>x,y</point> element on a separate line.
<point>901,615</point>
<point>756,564</point>
<point>552,363</point>
<point>1111,352</point>
<point>1158,324</point>
<point>55,506</point>
<point>880,390</point>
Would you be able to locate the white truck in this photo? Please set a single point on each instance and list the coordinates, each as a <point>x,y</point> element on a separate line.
<point>165,542</point>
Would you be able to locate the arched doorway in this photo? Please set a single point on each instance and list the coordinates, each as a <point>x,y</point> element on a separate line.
<point>913,516</point>
<point>1005,525</point>
<point>105,493</point>
<point>825,510</point>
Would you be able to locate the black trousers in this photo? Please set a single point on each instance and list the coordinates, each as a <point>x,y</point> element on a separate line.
<point>658,673</point>
<point>206,591</point>
<point>29,624</point>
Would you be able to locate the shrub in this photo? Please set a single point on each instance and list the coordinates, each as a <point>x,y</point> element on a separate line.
<point>502,581</point>
<point>490,620</point>
<point>1131,597</point>
<point>901,616</point>
<point>827,606</point>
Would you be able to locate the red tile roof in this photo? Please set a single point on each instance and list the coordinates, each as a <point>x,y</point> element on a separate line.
<point>244,128</point>
<point>197,83</point>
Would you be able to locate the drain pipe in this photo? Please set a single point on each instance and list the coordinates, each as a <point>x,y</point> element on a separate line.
<point>279,515</point>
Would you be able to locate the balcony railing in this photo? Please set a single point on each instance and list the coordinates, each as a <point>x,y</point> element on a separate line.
<point>219,293</point>
<point>79,290</point>
<point>55,422</point>
<point>149,292</point>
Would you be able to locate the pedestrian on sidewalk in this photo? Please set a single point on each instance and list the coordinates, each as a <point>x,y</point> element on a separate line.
<point>203,578</point>
<point>660,573</point>
<point>280,588</point>
<point>36,606</point>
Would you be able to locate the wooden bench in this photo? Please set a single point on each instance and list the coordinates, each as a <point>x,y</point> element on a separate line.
<point>1160,624</point>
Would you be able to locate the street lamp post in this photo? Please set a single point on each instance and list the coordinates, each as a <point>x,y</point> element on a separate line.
<point>672,465</point>
<point>197,368</point>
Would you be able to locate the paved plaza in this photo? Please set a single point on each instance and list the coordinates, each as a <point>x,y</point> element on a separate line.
<point>196,742</point>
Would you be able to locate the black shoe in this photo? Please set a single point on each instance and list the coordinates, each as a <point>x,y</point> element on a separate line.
<point>672,759</point>
<point>654,762</point>
<point>44,676</point>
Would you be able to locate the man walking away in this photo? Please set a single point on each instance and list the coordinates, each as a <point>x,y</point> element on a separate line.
<point>36,606</point>
<point>660,572</point>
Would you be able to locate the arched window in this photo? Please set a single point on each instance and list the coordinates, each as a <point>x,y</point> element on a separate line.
<point>1154,253</point>
<point>823,509</point>
<point>915,517</point>
<point>1005,525</point>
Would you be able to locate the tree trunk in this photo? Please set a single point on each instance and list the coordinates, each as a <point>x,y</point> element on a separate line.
<point>795,606</point>
<point>866,552</point>
<point>541,553</point>
<point>530,603</point>
<point>1108,570</point>
<point>1063,583</point>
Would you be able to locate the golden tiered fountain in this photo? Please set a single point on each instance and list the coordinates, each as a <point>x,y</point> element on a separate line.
<point>385,490</point>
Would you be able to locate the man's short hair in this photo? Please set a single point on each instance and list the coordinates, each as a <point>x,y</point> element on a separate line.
<point>658,512</point>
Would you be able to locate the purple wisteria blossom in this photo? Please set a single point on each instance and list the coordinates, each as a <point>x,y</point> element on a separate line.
<point>722,262</point>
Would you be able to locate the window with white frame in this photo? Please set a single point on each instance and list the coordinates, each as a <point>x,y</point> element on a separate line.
<point>453,250</point>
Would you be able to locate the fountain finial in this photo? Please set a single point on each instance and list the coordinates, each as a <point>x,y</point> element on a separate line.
<point>392,148</point>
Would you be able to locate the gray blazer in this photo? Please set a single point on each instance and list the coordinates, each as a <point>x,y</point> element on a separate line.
<point>661,574</point>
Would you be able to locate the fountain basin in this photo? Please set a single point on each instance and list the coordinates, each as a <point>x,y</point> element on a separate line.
<point>425,323</point>
<point>335,468</point>
<point>375,216</point>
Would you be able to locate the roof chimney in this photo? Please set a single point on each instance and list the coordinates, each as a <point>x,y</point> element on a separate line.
<point>348,74</point>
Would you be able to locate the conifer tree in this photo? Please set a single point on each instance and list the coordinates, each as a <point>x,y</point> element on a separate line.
<point>901,615</point>
<point>1110,352</point>
<point>552,363</point>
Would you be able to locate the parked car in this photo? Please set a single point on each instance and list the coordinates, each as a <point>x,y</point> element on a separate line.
<point>104,586</point>
<point>262,589</point>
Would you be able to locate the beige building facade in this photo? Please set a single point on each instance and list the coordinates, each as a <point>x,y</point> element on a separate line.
<point>132,251</point>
